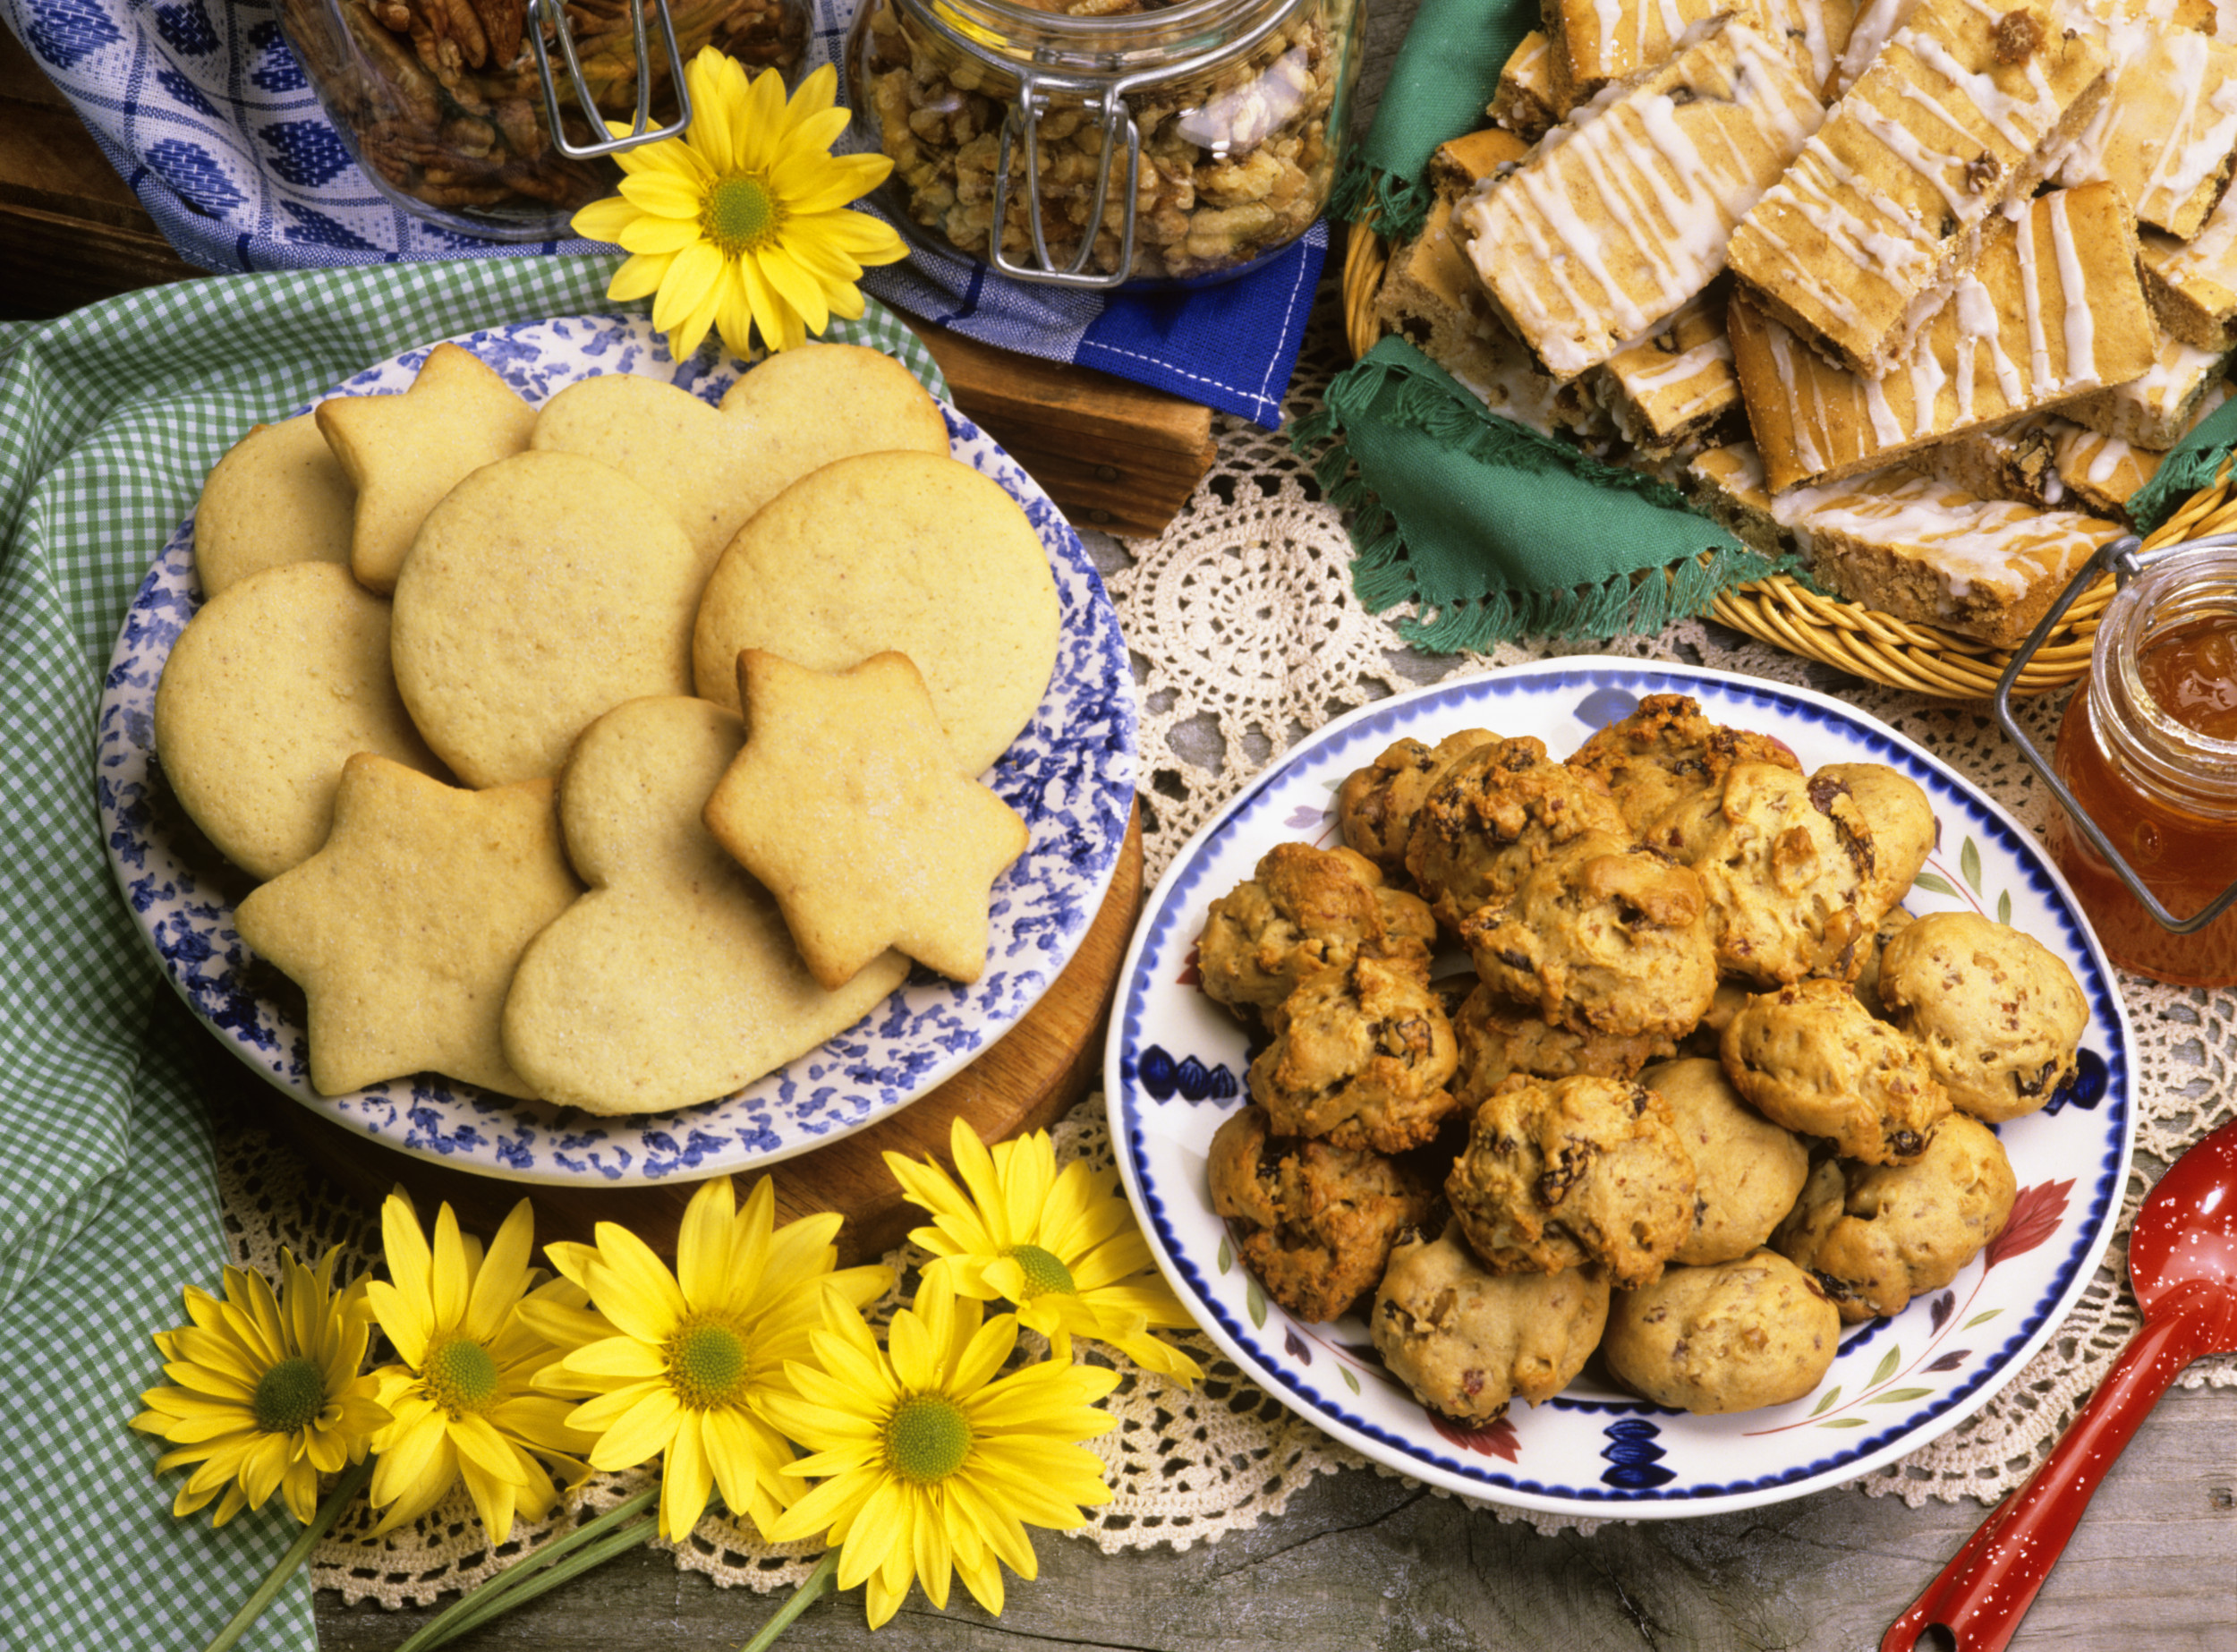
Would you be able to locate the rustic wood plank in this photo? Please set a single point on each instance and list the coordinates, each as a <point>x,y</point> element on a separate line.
<point>1361,1561</point>
<point>1116,454</point>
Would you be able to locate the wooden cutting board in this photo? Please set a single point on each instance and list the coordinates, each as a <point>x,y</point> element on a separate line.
<point>1112,453</point>
<point>1027,1081</point>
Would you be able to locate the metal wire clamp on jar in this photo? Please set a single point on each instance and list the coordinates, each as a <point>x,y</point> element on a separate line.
<point>2167,783</point>
<point>1243,102</point>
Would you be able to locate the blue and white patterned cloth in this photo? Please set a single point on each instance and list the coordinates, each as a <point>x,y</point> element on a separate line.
<point>205,112</point>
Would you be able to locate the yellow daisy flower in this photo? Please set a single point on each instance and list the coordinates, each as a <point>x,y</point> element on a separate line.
<point>1064,1246</point>
<point>742,222</point>
<point>675,1359</point>
<point>269,1396</point>
<point>928,1462</point>
<point>462,1398</point>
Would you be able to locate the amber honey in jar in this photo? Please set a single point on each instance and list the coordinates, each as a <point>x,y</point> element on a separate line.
<point>2148,748</point>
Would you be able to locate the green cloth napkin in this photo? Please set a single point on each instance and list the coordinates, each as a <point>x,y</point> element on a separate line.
<point>1497,532</point>
<point>1494,531</point>
<point>1444,77</point>
<point>109,419</point>
<point>2192,465</point>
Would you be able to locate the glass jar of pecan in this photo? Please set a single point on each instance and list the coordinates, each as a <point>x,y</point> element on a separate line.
<point>1116,142</point>
<point>443,104</point>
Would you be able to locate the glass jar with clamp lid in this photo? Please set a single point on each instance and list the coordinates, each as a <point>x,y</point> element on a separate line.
<point>1114,142</point>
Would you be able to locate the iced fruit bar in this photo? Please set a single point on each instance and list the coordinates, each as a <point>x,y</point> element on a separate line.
<point>2053,311</point>
<point>2155,408</point>
<point>2101,472</point>
<point>1667,391</point>
<point>1726,483</point>
<point>2165,132</point>
<point>1592,42</point>
<point>1524,102</point>
<point>1960,112</point>
<point>1431,297</point>
<point>1916,548</point>
<point>2018,461</point>
<point>1816,33</point>
<point>2193,286</point>
<point>1615,221</point>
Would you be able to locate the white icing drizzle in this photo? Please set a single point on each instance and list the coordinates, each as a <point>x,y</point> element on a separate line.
<point>1805,450</point>
<point>1940,167</point>
<point>2021,125</point>
<point>2081,327</point>
<point>1978,323</point>
<point>2031,300</point>
<point>1681,368</point>
<point>1886,428</point>
<point>1875,21</point>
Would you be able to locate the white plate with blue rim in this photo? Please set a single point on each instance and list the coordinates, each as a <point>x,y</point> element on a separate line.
<point>1070,774</point>
<point>1176,1068</point>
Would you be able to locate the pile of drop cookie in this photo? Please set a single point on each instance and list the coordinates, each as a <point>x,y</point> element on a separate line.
<point>572,750</point>
<point>1708,1093</point>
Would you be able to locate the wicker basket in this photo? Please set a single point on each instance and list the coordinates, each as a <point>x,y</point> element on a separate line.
<point>1861,641</point>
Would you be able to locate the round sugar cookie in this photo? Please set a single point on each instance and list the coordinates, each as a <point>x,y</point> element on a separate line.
<point>544,590</point>
<point>794,414</point>
<point>268,692</point>
<point>906,552</point>
<point>279,495</point>
<point>674,980</point>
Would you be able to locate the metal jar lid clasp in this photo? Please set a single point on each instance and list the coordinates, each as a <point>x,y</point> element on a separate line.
<point>2124,558</point>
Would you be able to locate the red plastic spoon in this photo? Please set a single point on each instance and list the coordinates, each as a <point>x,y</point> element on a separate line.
<point>2183,1263</point>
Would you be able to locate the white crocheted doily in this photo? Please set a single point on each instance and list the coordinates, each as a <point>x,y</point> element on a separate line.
<point>1246,635</point>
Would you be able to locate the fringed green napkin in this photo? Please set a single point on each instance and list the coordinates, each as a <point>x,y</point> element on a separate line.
<point>1444,76</point>
<point>2191,465</point>
<point>1497,532</point>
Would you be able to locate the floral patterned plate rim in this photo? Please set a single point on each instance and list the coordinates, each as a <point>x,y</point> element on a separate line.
<point>1070,774</point>
<point>1175,1069</point>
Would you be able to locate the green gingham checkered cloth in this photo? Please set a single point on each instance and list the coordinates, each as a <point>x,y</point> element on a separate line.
<point>109,420</point>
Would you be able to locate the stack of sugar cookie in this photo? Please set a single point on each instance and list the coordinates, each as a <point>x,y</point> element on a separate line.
<point>616,752</point>
<point>1710,1094</point>
<point>1923,289</point>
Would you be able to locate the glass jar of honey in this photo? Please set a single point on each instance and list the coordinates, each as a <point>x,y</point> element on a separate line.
<point>2149,749</point>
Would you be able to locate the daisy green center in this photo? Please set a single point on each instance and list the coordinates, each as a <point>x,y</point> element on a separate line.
<point>707,1365</point>
<point>460,1375</point>
<point>741,214</point>
<point>1044,1272</point>
<point>289,1395</point>
<point>927,1438</point>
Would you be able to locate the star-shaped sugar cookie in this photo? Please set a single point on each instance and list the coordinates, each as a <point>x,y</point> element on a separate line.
<point>847,804</point>
<point>403,930</point>
<point>405,452</point>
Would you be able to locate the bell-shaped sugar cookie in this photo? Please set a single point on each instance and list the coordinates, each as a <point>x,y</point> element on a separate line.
<point>672,981</point>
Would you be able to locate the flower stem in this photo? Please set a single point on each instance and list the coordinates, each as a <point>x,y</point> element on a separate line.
<point>344,1492</point>
<point>527,1578</point>
<point>816,1584</point>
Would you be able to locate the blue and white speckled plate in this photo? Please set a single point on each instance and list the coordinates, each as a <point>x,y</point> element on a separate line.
<point>1175,1071</point>
<point>1070,775</point>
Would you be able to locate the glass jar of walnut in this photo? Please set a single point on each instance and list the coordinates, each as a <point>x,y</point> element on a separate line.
<point>442,105</point>
<point>1116,142</point>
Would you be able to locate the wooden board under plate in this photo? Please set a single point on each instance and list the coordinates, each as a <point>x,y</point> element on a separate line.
<point>1047,1062</point>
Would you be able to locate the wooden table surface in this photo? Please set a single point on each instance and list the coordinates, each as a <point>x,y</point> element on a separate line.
<point>1361,1561</point>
